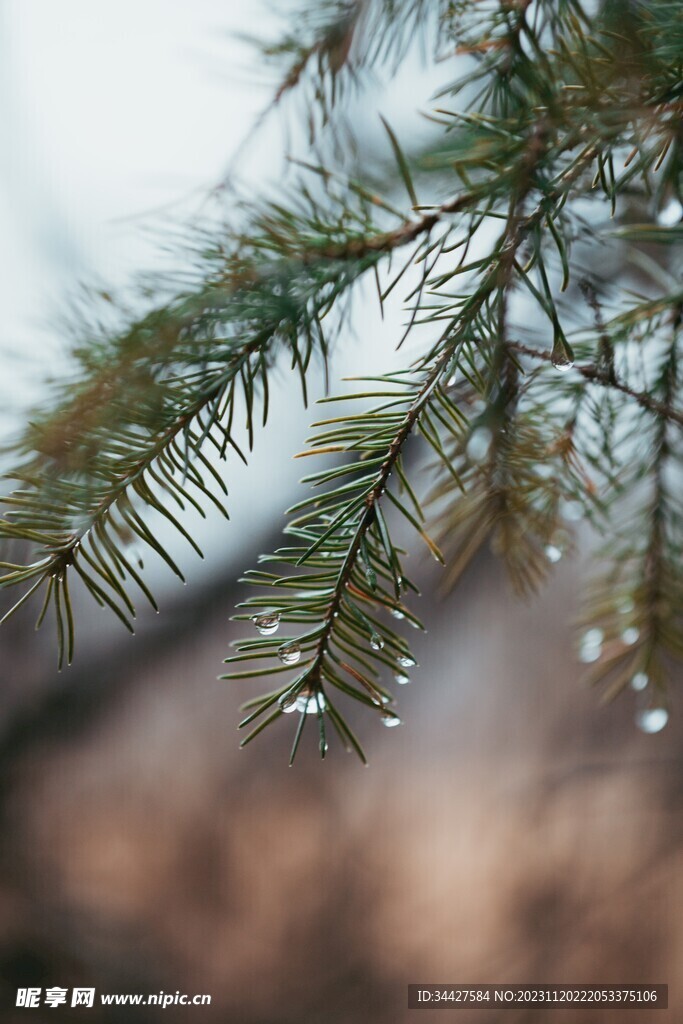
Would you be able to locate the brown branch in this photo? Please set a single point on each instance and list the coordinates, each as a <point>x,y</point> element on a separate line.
<point>597,375</point>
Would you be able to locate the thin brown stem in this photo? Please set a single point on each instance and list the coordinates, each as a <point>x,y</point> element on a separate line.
<point>597,375</point>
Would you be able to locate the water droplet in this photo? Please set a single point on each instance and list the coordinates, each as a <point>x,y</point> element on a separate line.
<point>652,719</point>
<point>401,678</point>
<point>406,661</point>
<point>479,444</point>
<point>288,702</point>
<point>308,703</point>
<point>397,613</point>
<point>591,645</point>
<point>266,624</point>
<point>639,681</point>
<point>562,356</point>
<point>553,553</point>
<point>390,719</point>
<point>562,363</point>
<point>670,214</point>
<point>625,605</point>
<point>630,635</point>
<point>376,642</point>
<point>289,653</point>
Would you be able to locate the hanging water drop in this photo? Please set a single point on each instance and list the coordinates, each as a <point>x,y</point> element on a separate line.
<point>562,363</point>
<point>397,613</point>
<point>652,719</point>
<point>288,703</point>
<point>591,645</point>
<point>561,356</point>
<point>639,681</point>
<point>553,553</point>
<point>289,653</point>
<point>671,214</point>
<point>390,719</point>
<point>479,444</point>
<point>376,642</point>
<point>406,661</point>
<point>630,635</point>
<point>266,624</point>
<point>401,678</point>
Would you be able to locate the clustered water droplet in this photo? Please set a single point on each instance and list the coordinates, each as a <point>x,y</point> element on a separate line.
<point>288,703</point>
<point>639,681</point>
<point>553,553</point>
<point>401,678</point>
<point>406,661</point>
<point>289,653</point>
<point>561,356</point>
<point>591,645</point>
<point>562,362</point>
<point>376,642</point>
<point>266,624</point>
<point>670,214</point>
<point>479,444</point>
<point>303,701</point>
<point>652,720</point>
<point>390,719</point>
<point>308,703</point>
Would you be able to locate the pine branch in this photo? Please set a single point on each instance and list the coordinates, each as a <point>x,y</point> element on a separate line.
<point>635,608</point>
<point>131,433</point>
<point>354,563</point>
<point>606,379</point>
<point>558,143</point>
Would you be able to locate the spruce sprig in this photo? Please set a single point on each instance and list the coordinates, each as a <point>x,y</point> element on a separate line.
<point>540,381</point>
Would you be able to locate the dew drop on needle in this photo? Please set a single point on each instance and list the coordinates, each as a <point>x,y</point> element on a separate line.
<point>289,653</point>
<point>266,624</point>
<point>652,720</point>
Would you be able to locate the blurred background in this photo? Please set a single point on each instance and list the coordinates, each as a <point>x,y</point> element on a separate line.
<point>512,830</point>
